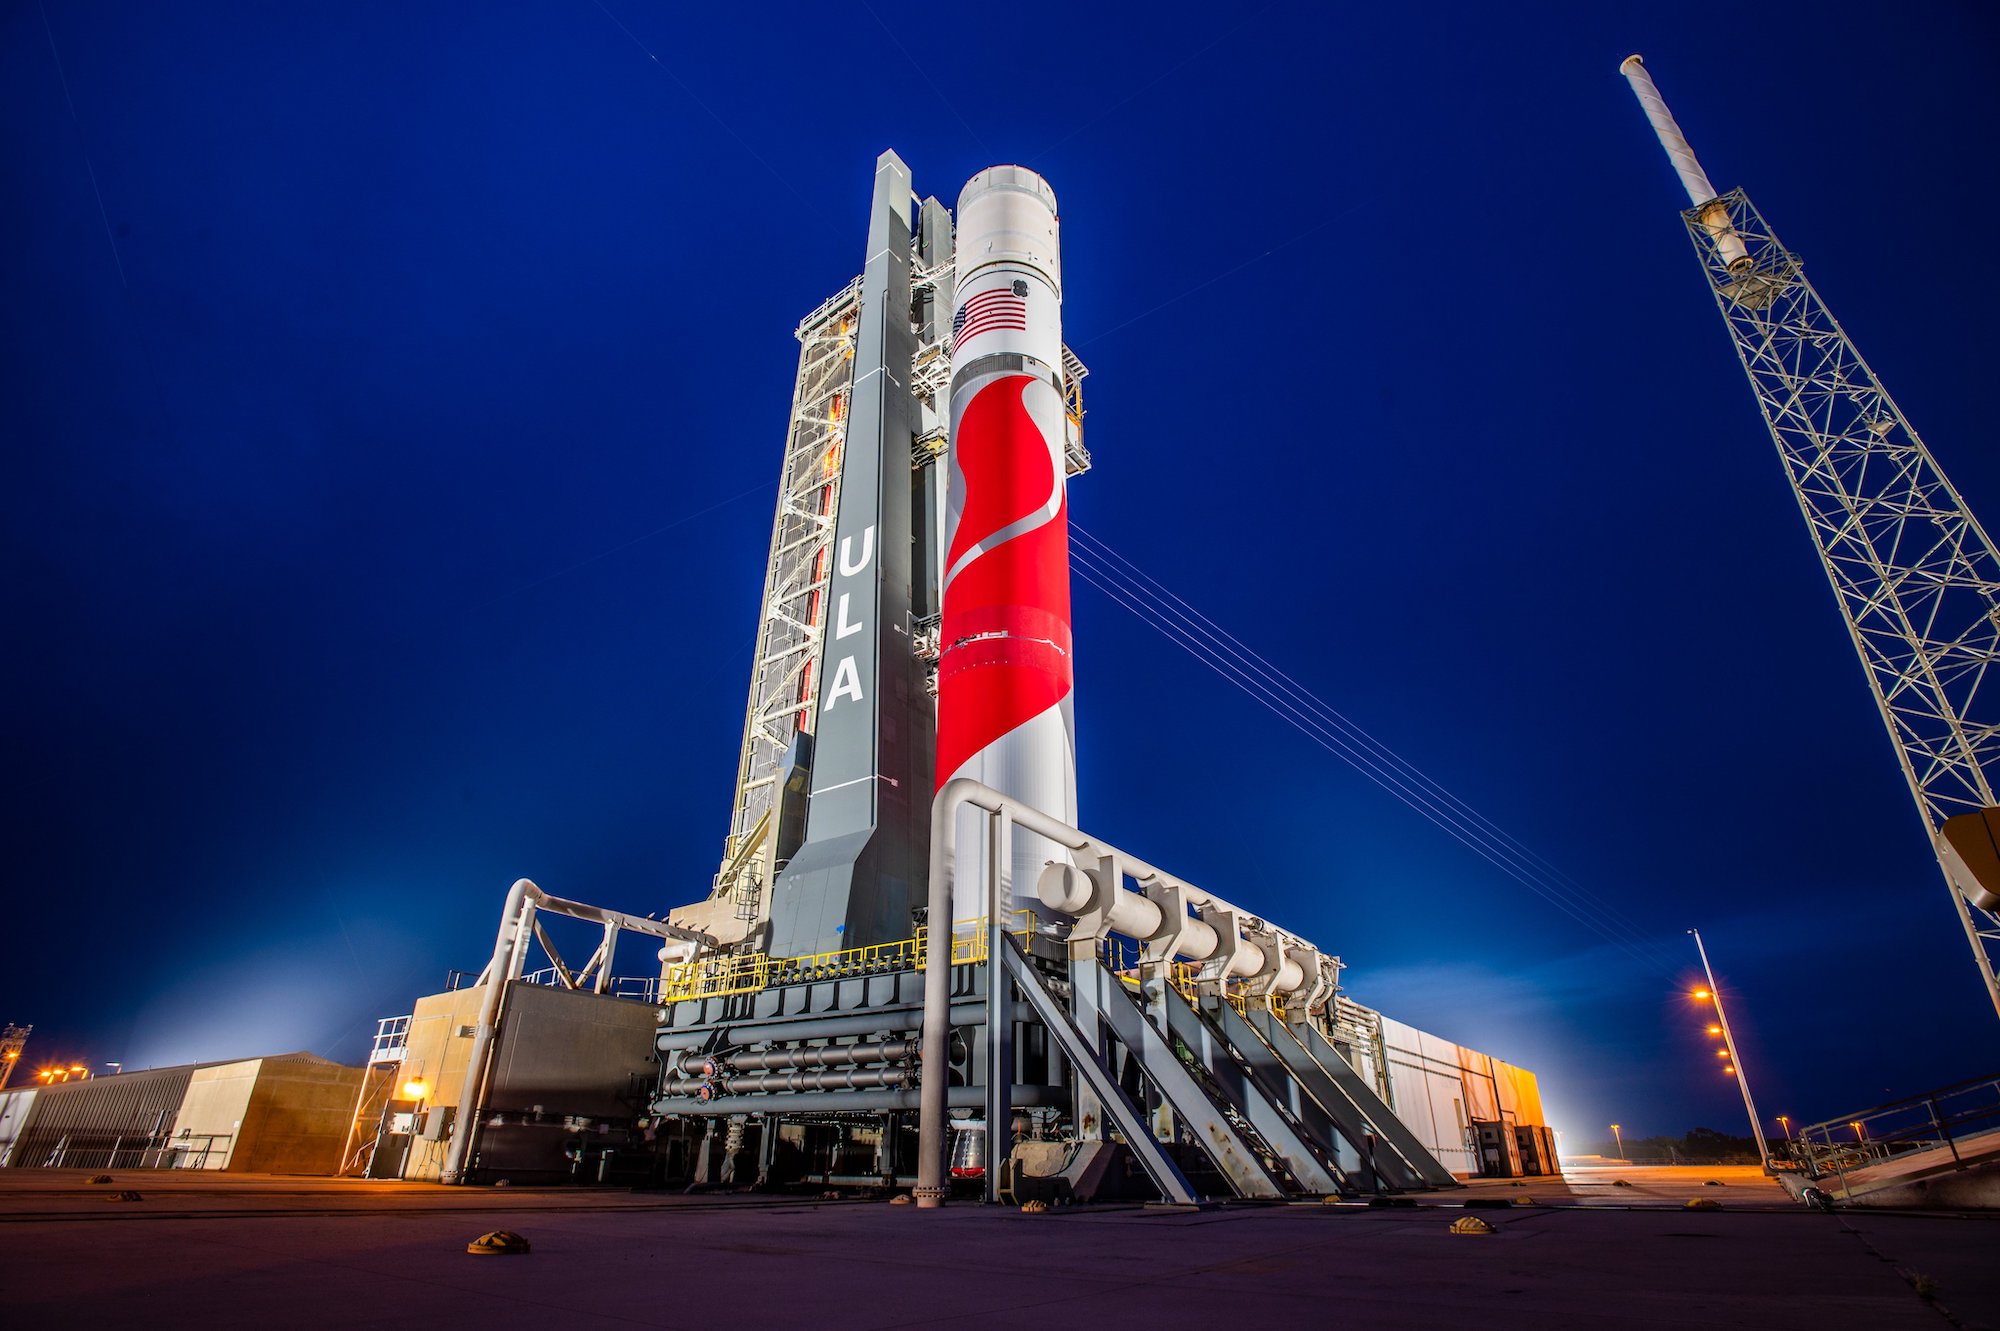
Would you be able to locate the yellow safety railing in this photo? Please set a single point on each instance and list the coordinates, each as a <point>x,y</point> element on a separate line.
<point>968,937</point>
<point>1121,958</point>
<point>747,973</point>
<point>713,977</point>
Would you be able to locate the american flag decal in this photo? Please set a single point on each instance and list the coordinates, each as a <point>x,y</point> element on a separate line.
<point>990,311</point>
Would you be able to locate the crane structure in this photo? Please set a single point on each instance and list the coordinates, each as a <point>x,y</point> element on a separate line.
<point>1916,577</point>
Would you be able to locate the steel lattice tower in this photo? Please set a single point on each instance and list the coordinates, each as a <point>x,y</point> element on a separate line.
<point>1917,578</point>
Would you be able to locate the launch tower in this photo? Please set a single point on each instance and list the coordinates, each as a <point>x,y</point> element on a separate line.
<point>1915,575</point>
<point>904,857</point>
<point>829,829</point>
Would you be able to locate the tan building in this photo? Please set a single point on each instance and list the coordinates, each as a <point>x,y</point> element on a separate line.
<point>569,1070</point>
<point>281,1114</point>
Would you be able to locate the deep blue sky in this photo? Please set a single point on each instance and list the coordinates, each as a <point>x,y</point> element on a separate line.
<point>392,524</point>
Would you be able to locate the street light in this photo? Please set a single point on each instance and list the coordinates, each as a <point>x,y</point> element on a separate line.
<point>1712,994</point>
<point>1620,1139</point>
<point>1785,1122</point>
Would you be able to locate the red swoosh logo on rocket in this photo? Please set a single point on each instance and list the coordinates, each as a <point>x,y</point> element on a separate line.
<point>1006,622</point>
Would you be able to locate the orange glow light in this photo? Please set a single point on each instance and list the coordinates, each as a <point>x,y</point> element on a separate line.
<point>1703,993</point>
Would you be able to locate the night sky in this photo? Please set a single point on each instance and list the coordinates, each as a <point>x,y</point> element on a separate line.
<point>394,396</point>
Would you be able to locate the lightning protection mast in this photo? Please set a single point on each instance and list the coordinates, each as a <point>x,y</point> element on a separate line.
<point>1914,572</point>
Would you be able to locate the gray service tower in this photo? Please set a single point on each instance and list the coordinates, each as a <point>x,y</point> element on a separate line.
<point>861,581</point>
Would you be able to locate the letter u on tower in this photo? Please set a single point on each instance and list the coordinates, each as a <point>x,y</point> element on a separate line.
<point>1005,677</point>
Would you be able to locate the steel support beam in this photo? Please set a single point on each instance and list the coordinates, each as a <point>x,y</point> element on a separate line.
<point>1090,1071</point>
<point>1315,1062</point>
<point>1205,1121</point>
<point>1287,1119</point>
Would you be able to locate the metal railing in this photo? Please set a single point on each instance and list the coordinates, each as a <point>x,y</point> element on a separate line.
<point>1939,1123</point>
<point>1121,956</point>
<point>642,988</point>
<point>85,1151</point>
<point>750,972</point>
<point>392,1036</point>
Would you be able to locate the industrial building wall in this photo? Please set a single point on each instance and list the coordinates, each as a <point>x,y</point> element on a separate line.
<point>574,1054</point>
<point>15,1106</point>
<point>559,1055</point>
<point>1427,1091</point>
<point>435,1053</point>
<point>80,1123</point>
<point>439,1043</point>
<point>211,1113</point>
<point>298,1116</point>
<point>278,1115</point>
<point>1441,1090</point>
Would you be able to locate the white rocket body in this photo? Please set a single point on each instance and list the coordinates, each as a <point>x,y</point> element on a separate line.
<point>1005,677</point>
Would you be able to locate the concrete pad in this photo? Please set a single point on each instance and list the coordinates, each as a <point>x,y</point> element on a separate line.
<point>316,1253</point>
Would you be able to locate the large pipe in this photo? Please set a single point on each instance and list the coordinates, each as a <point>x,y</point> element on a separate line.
<point>510,951</point>
<point>1182,935</point>
<point>819,1056</point>
<point>1068,890</point>
<point>804,1079</point>
<point>836,1102</point>
<point>683,1063</point>
<point>498,971</point>
<point>1701,194</point>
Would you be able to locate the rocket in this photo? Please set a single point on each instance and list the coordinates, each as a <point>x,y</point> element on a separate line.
<point>1005,669</point>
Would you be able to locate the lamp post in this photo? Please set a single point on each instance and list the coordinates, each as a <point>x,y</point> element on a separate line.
<point>1785,1122</point>
<point>1714,995</point>
<point>1620,1138</point>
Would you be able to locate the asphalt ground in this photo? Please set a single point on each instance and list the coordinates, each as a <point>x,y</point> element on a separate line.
<point>224,1251</point>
